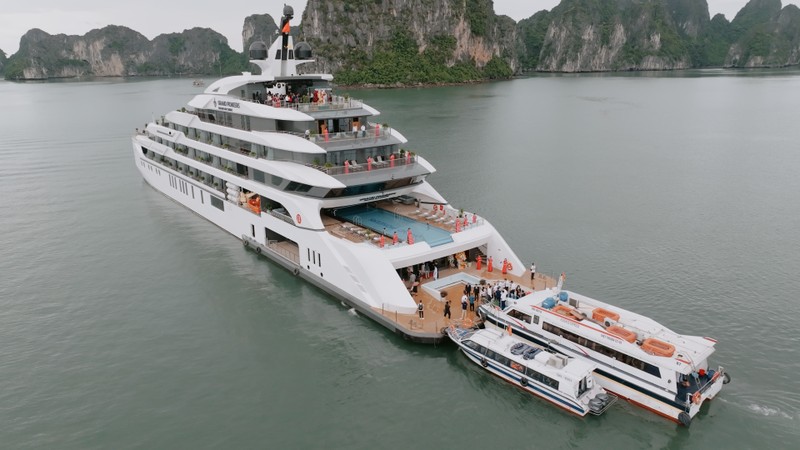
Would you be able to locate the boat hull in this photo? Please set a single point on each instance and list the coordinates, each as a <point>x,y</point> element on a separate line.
<point>617,382</point>
<point>547,394</point>
<point>239,222</point>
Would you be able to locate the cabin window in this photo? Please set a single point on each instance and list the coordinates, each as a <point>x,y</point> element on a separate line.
<point>520,315</point>
<point>258,176</point>
<point>602,349</point>
<point>541,378</point>
<point>217,203</point>
<point>474,346</point>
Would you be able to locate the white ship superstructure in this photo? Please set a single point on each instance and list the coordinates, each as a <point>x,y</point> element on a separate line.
<point>311,180</point>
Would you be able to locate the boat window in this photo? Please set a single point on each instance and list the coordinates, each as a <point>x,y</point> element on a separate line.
<point>474,346</point>
<point>602,349</point>
<point>218,203</point>
<point>541,378</point>
<point>502,359</point>
<point>520,315</point>
<point>258,176</point>
<point>583,386</point>
<point>536,319</point>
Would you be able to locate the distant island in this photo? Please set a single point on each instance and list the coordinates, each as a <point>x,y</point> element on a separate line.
<point>391,43</point>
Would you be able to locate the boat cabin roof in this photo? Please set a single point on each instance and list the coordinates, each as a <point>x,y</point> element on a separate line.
<point>690,351</point>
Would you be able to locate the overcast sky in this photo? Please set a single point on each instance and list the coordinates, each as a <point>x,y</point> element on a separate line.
<point>153,17</point>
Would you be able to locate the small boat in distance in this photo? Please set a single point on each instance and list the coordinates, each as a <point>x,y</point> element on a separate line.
<point>198,82</point>
<point>565,382</point>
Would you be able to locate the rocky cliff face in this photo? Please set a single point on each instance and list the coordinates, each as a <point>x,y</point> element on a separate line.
<point>606,35</point>
<point>2,61</point>
<point>117,51</point>
<point>258,27</point>
<point>602,35</point>
<point>765,35</point>
<point>356,35</point>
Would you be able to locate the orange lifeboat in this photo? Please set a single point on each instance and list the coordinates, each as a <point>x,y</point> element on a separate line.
<point>627,335</point>
<point>658,348</point>
<point>600,315</point>
<point>563,310</point>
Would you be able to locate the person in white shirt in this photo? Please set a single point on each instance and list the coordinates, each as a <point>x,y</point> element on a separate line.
<point>464,301</point>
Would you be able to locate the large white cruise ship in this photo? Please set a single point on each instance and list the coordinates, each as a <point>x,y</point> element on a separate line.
<point>311,180</point>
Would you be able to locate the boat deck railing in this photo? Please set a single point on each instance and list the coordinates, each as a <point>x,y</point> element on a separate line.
<point>337,103</point>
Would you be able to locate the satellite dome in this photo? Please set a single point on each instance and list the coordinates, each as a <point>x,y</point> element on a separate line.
<point>302,51</point>
<point>288,11</point>
<point>258,50</point>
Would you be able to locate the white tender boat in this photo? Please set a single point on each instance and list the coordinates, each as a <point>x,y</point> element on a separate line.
<point>563,381</point>
<point>636,357</point>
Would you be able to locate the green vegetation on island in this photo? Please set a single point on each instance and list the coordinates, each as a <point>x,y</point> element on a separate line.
<point>391,43</point>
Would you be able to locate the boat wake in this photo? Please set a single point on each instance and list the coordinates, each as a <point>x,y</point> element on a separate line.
<point>769,411</point>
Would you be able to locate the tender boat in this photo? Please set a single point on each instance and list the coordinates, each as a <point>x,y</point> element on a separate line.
<point>563,381</point>
<point>636,358</point>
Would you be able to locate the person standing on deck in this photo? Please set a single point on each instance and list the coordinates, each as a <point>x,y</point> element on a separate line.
<point>421,311</point>
<point>533,273</point>
<point>447,309</point>
<point>463,306</point>
<point>435,272</point>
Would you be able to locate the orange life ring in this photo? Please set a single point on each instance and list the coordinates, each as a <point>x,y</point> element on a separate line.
<point>509,266</point>
<point>696,399</point>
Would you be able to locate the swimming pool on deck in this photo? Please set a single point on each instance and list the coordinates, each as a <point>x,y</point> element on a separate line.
<point>386,222</point>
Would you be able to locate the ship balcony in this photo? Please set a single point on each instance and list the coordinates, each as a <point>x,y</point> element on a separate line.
<point>335,104</point>
<point>373,135</point>
<point>373,166</point>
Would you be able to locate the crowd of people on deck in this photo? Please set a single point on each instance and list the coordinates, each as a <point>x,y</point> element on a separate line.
<point>319,96</point>
<point>500,291</point>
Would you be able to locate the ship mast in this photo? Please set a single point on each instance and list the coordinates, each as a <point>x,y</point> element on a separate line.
<point>288,13</point>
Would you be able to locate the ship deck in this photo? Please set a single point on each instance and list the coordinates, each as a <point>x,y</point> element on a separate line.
<point>430,327</point>
<point>434,320</point>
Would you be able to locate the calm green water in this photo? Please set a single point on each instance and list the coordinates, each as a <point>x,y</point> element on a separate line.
<point>129,322</point>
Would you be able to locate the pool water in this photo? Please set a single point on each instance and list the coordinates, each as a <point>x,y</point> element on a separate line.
<point>387,223</point>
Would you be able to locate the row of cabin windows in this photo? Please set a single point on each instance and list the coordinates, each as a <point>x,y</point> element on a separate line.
<point>527,371</point>
<point>602,349</point>
<point>335,158</point>
<point>276,181</point>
